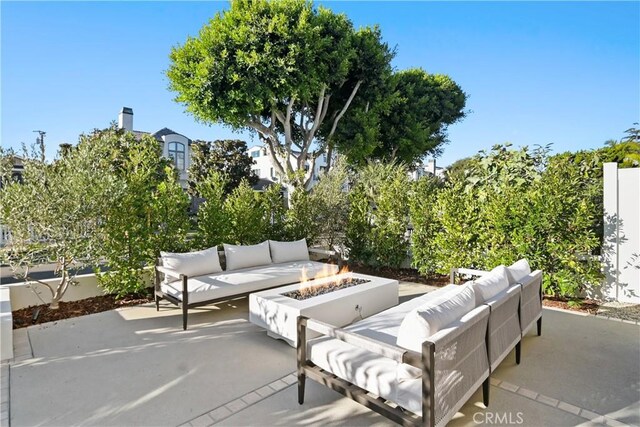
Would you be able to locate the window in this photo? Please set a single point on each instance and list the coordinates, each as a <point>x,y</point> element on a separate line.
<point>256,172</point>
<point>176,153</point>
<point>255,153</point>
<point>272,174</point>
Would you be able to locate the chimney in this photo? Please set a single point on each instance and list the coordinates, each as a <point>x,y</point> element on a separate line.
<point>125,119</point>
<point>431,167</point>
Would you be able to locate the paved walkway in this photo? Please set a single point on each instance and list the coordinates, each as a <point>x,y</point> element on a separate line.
<point>135,366</point>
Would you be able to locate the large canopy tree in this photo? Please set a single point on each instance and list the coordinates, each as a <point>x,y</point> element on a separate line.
<point>285,69</point>
<point>227,156</point>
<point>404,121</point>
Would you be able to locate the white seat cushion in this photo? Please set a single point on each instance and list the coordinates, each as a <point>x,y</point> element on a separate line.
<point>491,284</point>
<point>192,263</point>
<point>397,382</point>
<point>518,271</point>
<point>229,283</point>
<point>289,251</point>
<point>384,326</point>
<point>433,315</point>
<point>244,256</point>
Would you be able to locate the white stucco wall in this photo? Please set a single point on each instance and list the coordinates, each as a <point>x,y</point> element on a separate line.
<point>23,296</point>
<point>621,251</point>
<point>6,325</point>
<point>264,165</point>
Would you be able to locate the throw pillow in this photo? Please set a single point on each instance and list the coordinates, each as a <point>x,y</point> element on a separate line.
<point>492,283</point>
<point>289,251</point>
<point>243,256</point>
<point>518,271</point>
<point>433,316</point>
<point>192,263</point>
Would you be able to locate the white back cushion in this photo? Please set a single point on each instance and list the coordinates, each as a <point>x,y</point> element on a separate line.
<point>518,270</point>
<point>192,263</point>
<point>492,283</point>
<point>289,251</point>
<point>239,256</point>
<point>424,321</point>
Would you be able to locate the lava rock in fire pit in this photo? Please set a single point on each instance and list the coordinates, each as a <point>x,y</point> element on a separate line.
<point>311,291</point>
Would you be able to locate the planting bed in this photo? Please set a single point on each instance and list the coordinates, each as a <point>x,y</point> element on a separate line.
<point>25,316</point>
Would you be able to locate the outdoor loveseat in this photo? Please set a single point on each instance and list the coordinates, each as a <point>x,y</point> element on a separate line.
<point>196,279</point>
<point>419,362</point>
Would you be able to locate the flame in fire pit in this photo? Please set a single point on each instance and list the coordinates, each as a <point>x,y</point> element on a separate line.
<point>309,289</point>
<point>306,288</point>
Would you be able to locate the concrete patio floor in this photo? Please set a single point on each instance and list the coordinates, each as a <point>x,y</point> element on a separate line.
<point>135,366</point>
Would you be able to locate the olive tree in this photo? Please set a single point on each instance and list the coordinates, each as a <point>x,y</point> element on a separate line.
<point>55,215</point>
<point>284,69</point>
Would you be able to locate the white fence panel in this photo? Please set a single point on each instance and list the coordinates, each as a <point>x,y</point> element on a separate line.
<point>621,249</point>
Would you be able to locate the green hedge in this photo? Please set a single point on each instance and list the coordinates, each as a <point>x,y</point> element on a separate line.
<point>512,204</point>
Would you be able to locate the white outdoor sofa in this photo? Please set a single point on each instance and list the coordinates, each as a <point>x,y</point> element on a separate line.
<point>427,375</point>
<point>196,279</point>
<point>530,305</point>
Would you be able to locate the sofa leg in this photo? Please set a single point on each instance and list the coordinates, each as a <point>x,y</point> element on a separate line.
<point>185,313</point>
<point>540,326</point>
<point>485,391</point>
<point>518,352</point>
<point>301,381</point>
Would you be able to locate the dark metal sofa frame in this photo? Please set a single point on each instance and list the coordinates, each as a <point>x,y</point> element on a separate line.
<point>424,362</point>
<point>185,305</point>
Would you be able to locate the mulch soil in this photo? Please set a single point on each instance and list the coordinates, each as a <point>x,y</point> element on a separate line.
<point>585,306</point>
<point>25,317</point>
<point>402,275</point>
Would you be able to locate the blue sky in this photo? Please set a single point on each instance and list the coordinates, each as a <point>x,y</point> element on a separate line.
<point>536,73</point>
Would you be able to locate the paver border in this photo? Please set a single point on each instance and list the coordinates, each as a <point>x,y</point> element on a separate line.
<point>582,314</point>
<point>228,409</point>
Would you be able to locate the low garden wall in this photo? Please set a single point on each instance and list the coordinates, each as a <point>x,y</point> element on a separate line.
<point>23,296</point>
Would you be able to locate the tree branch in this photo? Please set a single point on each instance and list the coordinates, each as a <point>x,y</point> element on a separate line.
<point>344,109</point>
<point>309,174</point>
<point>336,120</point>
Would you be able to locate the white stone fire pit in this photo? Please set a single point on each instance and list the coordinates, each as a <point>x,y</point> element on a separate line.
<point>278,313</point>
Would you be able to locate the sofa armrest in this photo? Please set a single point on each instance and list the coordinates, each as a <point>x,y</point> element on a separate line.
<point>467,271</point>
<point>533,279</point>
<point>475,319</point>
<point>512,294</point>
<point>168,272</point>
<point>398,354</point>
<point>321,251</point>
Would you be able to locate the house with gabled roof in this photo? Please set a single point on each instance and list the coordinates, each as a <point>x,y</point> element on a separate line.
<point>174,145</point>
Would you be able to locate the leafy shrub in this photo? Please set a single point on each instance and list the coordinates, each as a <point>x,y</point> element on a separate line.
<point>422,203</point>
<point>558,235</point>
<point>330,200</point>
<point>274,213</point>
<point>379,216</point>
<point>513,204</point>
<point>459,230</point>
<point>358,226</point>
<point>147,215</point>
<point>245,211</point>
<point>213,226</point>
<point>301,217</point>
